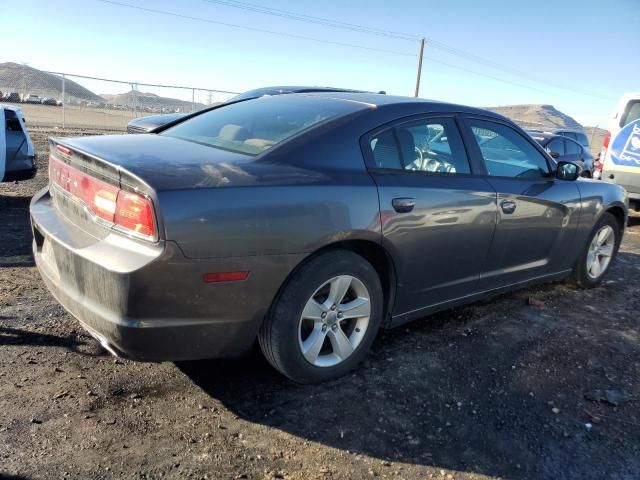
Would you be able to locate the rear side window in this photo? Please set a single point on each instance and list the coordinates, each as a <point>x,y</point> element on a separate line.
<point>582,139</point>
<point>556,145</point>
<point>631,113</point>
<point>12,122</point>
<point>506,153</point>
<point>571,148</point>
<point>430,145</point>
<point>253,126</point>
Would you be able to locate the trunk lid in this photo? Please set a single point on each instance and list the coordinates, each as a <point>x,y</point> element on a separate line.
<point>154,162</point>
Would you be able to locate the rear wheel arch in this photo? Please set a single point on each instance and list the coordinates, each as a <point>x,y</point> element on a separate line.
<point>372,252</point>
<point>618,213</point>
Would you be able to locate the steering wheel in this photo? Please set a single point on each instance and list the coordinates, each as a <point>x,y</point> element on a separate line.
<point>440,166</point>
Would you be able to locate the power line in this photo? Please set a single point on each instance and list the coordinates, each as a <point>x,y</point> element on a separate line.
<point>316,20</point>
<point>360,28</point>
<point>400,36</point>
<point>254,29</point>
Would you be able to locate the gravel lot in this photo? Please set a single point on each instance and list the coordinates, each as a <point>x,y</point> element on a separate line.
<point>541,383</point>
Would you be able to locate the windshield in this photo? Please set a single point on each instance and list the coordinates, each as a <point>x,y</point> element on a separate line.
<point>253,126</point>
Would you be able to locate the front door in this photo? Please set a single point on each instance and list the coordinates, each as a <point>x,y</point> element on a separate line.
<point>537,214</point>
<point>437,216</point>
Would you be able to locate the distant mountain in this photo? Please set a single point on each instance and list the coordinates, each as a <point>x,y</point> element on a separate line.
<point>24,79</point>
<point>537,116</point>
<point>151,100</point>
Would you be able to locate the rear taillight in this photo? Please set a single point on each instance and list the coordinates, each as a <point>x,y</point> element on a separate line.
<point>128,212</point>
<point>603,153</point>
<point>134,212</point>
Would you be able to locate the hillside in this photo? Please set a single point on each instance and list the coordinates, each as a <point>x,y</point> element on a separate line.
<point>24,79</point>
<point>144,99</point>
<point>537,116</point>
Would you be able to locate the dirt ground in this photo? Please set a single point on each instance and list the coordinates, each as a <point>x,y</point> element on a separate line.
<point>541,383</point>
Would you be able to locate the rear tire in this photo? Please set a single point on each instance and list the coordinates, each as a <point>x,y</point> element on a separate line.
<point>325,319</point>
<point>599,252</point>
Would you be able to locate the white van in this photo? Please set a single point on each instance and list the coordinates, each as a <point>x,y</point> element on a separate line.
<point>620,154</point>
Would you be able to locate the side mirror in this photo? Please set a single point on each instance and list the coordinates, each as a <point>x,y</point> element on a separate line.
<point>567,171</point>
<point>554,154</point>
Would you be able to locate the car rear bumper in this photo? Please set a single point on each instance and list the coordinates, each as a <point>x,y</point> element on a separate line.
<point>149,302</point>
<point>19,175</point>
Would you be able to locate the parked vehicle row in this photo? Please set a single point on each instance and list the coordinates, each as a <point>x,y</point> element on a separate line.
<point>307,222</point>
<point>15,97</point>
<point>564,148</point>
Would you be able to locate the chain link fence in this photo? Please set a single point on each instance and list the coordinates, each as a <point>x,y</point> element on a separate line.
<point>63,100</point>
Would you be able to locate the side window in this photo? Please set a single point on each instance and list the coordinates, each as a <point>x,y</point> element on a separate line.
<point>571,148</point>
<point>556,145</point>
<point>506,153</point>
<point>385,150</point>
<point>582,139</point>
<point>631,114</point>
<point>432,145</point>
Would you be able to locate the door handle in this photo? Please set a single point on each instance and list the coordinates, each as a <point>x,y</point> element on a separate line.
<point>403,205</point>
<point>508,206</point>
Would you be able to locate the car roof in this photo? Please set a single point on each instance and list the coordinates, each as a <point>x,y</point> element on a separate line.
<point>10,107</point>
<point>380,100</point>
<point>285,89</point>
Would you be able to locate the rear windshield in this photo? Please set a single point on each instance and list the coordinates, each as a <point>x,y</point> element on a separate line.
<point>253,126</point>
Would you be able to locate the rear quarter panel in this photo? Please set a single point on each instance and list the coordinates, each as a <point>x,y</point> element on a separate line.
<point>596,198</point>
<point>310,192</point>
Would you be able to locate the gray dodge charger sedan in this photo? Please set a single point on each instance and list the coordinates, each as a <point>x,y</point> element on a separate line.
<point>308,222</point>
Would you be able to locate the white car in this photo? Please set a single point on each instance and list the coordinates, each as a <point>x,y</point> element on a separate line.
<point>30,98</point>
<point>17,154</point>
<point>620,156</point>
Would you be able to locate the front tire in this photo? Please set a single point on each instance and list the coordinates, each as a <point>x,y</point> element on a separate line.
<point>599,253</point>
<point>325,319</point>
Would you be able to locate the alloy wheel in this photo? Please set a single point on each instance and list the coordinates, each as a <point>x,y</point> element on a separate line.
<point>600,251</point>
<point>334,321</point>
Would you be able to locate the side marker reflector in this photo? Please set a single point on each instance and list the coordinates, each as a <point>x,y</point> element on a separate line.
<point>225,277</point>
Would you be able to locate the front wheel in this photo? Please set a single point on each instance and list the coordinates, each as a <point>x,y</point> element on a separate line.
<point>325,319</point>
<point>601,249</point>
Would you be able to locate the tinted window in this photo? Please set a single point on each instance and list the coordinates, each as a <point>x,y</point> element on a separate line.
<point>571,148</point>
<point>433,146</point>
<point>385,150</point>
<point>556,145</point>
<point>631,114</point>
<point>507,153</point>
<point>253,126</point>
<point>582,139</point>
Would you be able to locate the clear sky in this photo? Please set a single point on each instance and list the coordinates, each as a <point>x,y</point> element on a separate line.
<point>579,56</point>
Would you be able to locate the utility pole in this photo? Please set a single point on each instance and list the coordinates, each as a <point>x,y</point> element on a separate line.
<point>419,67</point>
<point>64,102</point>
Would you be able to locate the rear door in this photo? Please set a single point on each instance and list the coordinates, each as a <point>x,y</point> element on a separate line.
<point>437,215</point>
<point>537,214</point>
